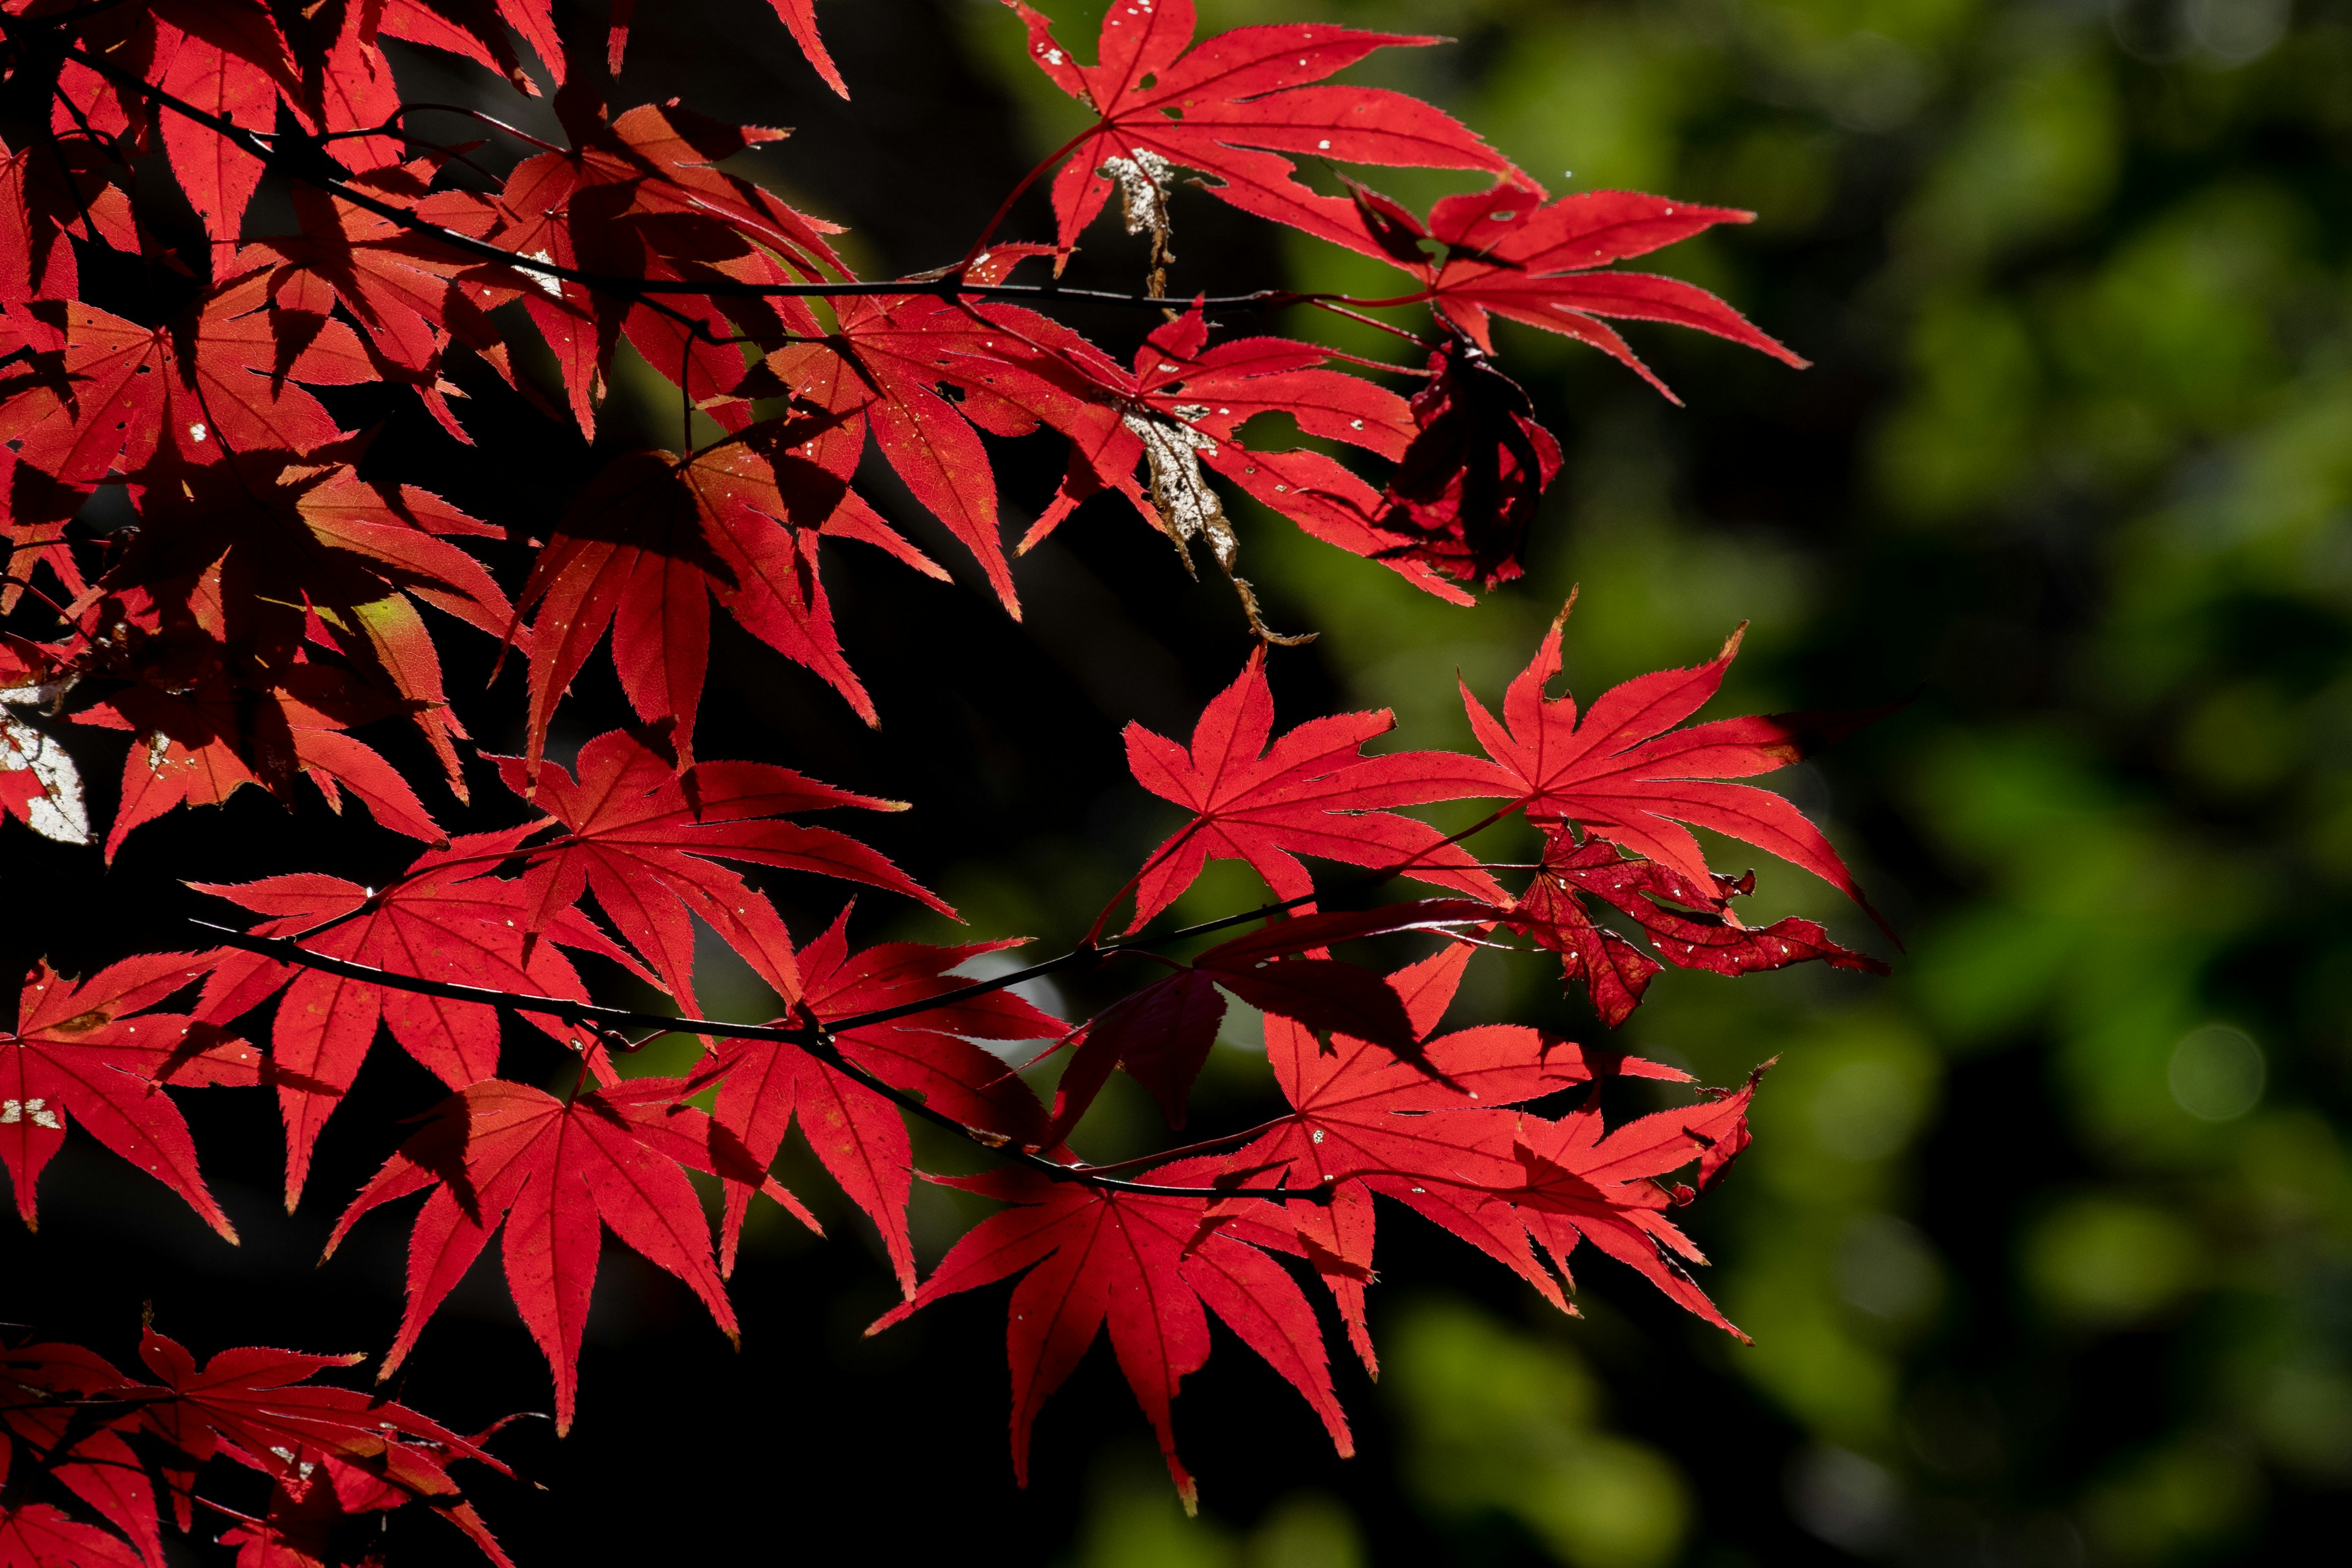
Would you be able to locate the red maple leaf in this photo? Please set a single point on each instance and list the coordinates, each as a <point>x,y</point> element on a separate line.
<point>552,1170</point>
<point>306,1513</point>
<point>1510,252</point>
<point>446,920</point>
<point>1464,494</point>
<point>1179,407</point>
<point>1230,108</point>
<point>410,293</point>
<point>1161,1034</point>
<point>85,1051</point>
<point>55,1400</point>
<point>1311,791</point>
<point>642,550</point>
<point>476,30</point>
<point>641,834</point>
<point>259,1406</point>
<point>881,371</point>
<point>293,551</point>
<point>218,174</point>
<point>1581,1182</point>
<point>213,380</point>
<point>638,199</point>
<point>214,715</point>
<point>1140,1266</point>
<point>860,1135</point>
<point>1623,773</point>
<point>1434,1133</point>
<point>38,1536</point>
<point>1690,927</point>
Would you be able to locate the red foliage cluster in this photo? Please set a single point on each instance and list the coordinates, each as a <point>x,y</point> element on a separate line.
<point>271,603</point>
<point>100,1440</point>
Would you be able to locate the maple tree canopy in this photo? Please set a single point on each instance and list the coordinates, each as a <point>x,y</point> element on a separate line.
<point>276,615</point>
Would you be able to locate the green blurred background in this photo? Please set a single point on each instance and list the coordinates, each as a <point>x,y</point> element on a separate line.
<point>2043,1242</point>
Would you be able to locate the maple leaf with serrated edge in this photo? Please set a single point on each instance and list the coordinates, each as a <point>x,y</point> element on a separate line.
<point>290,547</point>
<point>1434,1133</point>
<point>880,373</point>
<point>54,1398</point>
<point>122,394</point>
<point>259,1406</point>
<point>642,550</point>
<point>552,1170</point>
<point>218,174</point>
<point>476,30</point>
<point>446,920</point>
<point>1584,1183</point>
<point>1140,1266</point>
<point>411,294</point>
<point>232,721</point>
<point>87,1052</point>
<point>38,1536</point>
<point>298,1526</point>
<point>1161,1034</point>
<point>1309,792</point>
<point>1230,107</point>
<point>1690,927</point>
<point>641,834</point>
<point>859,1134</point>
<point>1179,407</point>
<point>638,198</point>
<point>1510,252</point>
<point>1623,773</point>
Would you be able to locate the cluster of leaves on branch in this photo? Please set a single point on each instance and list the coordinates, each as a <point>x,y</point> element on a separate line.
<point>272,601</point>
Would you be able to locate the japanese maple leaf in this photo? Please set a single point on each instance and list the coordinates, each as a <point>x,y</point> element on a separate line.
<point>641,834</point>
<point>1178,381</point>
<point>86,1051</point>
<point>639,198</point>
<point>59,1401</point>
<point>1510,252</point>
<point>1434,1133</point>
<point>1178,408</point>
<point>476,30</point>
<point>1690,927</point>
<point>410,293</point>
<point>217,173</point>
<point>1464,494</point>
<point>306,1512</point>
<point>1230,108</point>
<point>1311,791</point>
<point>550,1171</point>
<point>210,381</point>
<point>346,85</point>
<point>1623,773</point>
<point>1585,1183</point>
<point>259,1405</point>
<point>1161,1034</point>
<point>291,546</point>
<point>644,549</point>
<point>881,371</point>
<point>447,918</point>
<point>860,1135</point>
<point>1140,1266</point>
<point>38,1536</point>
<point>224,58</point>
<point>213,717</point>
